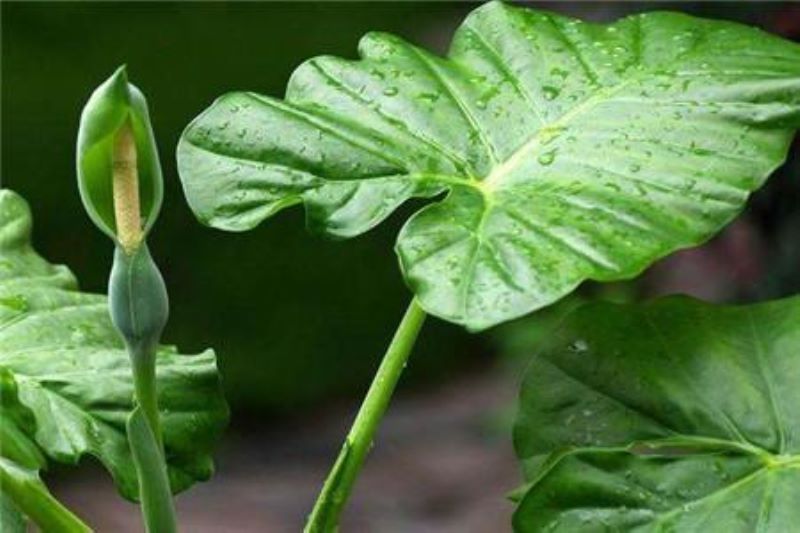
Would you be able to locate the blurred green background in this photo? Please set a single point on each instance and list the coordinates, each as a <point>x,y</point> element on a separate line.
<point>294,318</point>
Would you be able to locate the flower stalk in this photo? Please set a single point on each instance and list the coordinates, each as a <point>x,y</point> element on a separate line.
<point>139,310</point>
<point>120,183</point>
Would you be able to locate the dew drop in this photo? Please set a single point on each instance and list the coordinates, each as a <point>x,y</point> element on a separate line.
<point>550,92</point>
<point>547,158</point>
<point>579,346</point>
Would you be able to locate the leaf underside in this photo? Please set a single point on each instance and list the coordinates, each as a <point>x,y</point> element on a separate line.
<point>670,416</point>
<point>567,150</point>
<point>63,362</point>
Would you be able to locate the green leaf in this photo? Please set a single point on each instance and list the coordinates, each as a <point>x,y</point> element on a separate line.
<point>568,150</point>
<point>18,427</point>
<point>72,373</point>
<point>18,452</point>
<point>11,519</point>
<point>674,415</point>
<point>112,105</point>
<point>21,490</point>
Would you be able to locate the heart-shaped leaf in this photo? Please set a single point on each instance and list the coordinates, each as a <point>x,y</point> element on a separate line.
<point>569,150</point>
<point>70,370</point>
<point>670,416</point>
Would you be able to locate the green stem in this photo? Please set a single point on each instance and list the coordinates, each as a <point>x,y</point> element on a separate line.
<point>139,308</point>
<point>145,387</point>
<point>144,436</point>
<point>324,517</point>
<point>33,499</point>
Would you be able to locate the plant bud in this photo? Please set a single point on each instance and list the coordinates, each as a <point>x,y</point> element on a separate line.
<point>119,176</point>
<point>138,299</point>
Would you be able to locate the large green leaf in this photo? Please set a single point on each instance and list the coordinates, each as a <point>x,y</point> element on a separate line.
<point>70,370</point>
<point>568,150</point>
<point>669,416</point>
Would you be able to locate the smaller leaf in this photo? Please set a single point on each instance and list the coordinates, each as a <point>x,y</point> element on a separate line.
<point>65,363</point>
<point>115,105</point>
<point>670,416</point>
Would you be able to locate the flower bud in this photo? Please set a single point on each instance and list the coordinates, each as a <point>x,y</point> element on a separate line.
<point>119,176</point>
<point>137,300</point>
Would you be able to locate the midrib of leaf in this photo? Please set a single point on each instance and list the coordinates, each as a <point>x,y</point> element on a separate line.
<point>770,464</point>
<point>711,497</point>
<point>546,132</point>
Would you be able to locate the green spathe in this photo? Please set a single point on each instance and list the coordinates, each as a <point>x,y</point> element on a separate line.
<point>112,105</point>
<point>567,150</point>
<point>674,415</point>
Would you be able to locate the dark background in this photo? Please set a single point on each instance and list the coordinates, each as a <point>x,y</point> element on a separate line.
<point>299,323</point>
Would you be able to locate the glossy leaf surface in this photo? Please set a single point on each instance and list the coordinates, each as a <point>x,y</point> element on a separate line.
<point>70,371</point>
<point>670,416</point>
<point>568,150</point>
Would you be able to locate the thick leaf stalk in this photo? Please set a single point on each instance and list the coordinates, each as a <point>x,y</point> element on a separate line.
<point>29,495</point>
<point>139,310</point>
<point>324,517</point>
<point>120,182</point>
